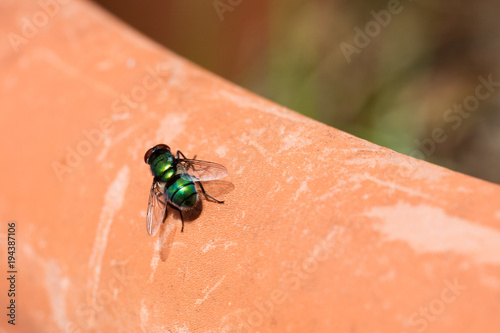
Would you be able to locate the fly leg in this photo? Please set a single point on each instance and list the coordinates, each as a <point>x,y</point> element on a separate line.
<point>208,195</point>
<point>180,213</point>
<point>182,220</point>
<point>179,154</point>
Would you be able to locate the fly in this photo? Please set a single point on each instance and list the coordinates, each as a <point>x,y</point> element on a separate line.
<point>175,183</point>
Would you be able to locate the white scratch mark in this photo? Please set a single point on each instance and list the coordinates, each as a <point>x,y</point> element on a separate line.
<point>174,70</point>
<point>120,116</point>
<point>248,140</point>
<point>408,166</point>
<point>113,200</point>
<point>201,300</point>
<point>110,142</point>
<point>104,65</point>
<point>430,229</point>
<point>390,185</point>
<point>156,258</point>
<point>302,189</point>
<point>171,126</point>
<point>183,329</point>
<point>296,140</point>
<point>131,62</point>
<point>228,244</point>
<point>490,281</point>
<point>210,245</point>
<point>261,105</point>
<point>221,151</point>
<point>144,316</point>
<point>71,70</point>
<point>56,289</point>
<point>178,244</point>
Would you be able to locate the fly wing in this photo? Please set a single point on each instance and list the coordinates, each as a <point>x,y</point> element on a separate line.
<point>200,170</point>
<point>157,208</point>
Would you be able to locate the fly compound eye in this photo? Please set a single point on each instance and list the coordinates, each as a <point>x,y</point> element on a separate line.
<point>162,146</point>
<point>148,154</point>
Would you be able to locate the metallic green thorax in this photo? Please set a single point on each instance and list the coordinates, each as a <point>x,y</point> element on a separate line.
<point>180,189</point>
<point>163,166</point>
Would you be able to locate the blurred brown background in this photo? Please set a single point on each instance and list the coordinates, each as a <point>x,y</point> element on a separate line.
<point>394,73</point>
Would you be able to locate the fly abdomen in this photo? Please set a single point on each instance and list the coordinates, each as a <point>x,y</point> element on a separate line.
<point>182,192</point>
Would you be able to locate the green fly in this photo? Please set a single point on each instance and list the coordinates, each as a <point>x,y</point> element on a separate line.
<point>174,183</point>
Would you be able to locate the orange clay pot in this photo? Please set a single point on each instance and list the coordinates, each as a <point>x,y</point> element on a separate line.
<point>320,231</point>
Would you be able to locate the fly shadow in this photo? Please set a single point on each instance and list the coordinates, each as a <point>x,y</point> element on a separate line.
<point>216,188</point>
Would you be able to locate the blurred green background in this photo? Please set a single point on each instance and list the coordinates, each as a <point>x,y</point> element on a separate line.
<point>392,72</point>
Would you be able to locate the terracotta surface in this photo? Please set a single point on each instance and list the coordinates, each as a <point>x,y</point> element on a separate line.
<point>320,231</point>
